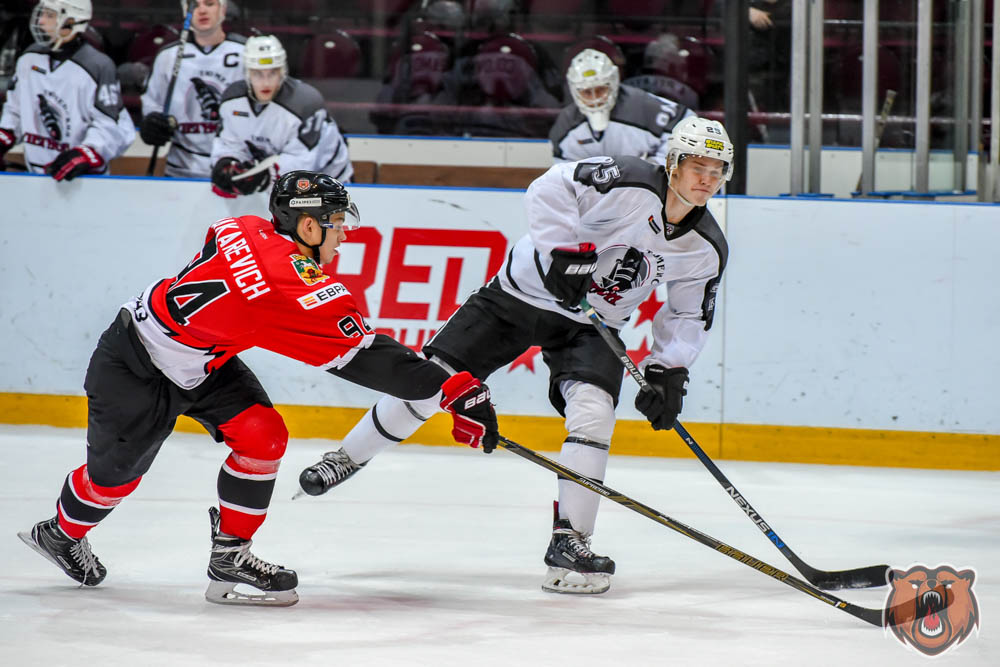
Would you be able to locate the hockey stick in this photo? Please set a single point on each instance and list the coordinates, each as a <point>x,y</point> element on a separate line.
<point>263,165</point>
<point>890,97</point>
<point>185,31</point>
<point>862,577</point>
<point>904,611</point>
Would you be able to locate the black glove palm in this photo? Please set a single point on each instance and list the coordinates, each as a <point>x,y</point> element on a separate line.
<point>662,401</point>
<point>568,279</point>
<point>157,128</point>
<point>251,184</point>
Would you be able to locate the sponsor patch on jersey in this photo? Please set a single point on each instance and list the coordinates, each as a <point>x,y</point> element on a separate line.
<point>652,225</point>
<point>308,270</point>
<point>322,296</point>
<point>38,69</point>
<point>584,141</point>
<point>242,114</point>
<point>714,144</point>
<point>305,202</point>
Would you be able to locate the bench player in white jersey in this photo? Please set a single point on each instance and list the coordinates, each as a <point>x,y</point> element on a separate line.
<point>607,118</point>
<point>274,123</point>
<point>611,229</point>
<point>64,101</point>
<point>174,350</point>
<point>212,61</point>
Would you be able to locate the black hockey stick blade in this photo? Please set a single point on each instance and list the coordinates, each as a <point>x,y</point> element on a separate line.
<point>862,577</point>
<point>903,612</point>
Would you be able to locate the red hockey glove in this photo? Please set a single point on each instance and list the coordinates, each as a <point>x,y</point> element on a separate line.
<point>662,402</point>
<point>75,162</point>
<point>222,177</point>
<point>468,401</point>
<point>568,279</point>
<point>7,141</point>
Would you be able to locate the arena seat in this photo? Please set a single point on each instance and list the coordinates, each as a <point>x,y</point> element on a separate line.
<point>331,55</point>
<point>505,68</point>
<point>420,67</point>
<point>146,45</point>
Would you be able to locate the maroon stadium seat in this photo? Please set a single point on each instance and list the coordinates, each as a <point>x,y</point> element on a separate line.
<point>505,67</point>
<point>332,55</point>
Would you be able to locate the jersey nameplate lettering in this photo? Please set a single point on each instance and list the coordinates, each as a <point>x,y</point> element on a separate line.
<point>242,263</point>
<point>322,296</point>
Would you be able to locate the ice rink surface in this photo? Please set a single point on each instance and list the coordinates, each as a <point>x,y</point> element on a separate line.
<point>433,556</point>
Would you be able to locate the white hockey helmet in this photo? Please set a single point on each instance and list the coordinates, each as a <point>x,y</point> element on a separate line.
<point>700,136</point>
<point>73,15</point>
<point>186,3</point>
<point>264,52</point>
<point>588,70</point>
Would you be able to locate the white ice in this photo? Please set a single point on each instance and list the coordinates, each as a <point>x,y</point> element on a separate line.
<point>433,556</point>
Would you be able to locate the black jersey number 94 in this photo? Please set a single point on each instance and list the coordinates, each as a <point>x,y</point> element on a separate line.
<point>185,298</point>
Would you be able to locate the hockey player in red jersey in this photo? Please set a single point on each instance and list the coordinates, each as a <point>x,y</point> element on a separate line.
<point>173,351</point>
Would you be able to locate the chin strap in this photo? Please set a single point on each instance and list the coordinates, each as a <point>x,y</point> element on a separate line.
<point>674,190</point>
<point>315,248</point>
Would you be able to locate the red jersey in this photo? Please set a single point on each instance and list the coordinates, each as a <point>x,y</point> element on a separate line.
<point>248,287</point>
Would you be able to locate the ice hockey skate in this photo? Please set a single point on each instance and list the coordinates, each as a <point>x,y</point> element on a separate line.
<point>232,564</point>
<point>73,557</point>
<point>319,478</point>
<point>573,567</point>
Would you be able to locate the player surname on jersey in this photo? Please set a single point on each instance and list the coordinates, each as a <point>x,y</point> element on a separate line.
<point>234,244</point>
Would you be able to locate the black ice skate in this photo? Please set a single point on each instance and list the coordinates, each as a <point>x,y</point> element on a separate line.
<point>73,557</point>
<point>231,563</point>
<point>320,477</point>
<point>573,567</point>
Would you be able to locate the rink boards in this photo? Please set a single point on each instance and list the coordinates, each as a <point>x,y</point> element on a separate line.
<point>848,332</point>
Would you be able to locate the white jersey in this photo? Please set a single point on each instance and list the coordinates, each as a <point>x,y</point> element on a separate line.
<point>641,124</point>
<point>205,73</point>
<point>618,205</point>
<point>59,100</point>
<point>294,126</point>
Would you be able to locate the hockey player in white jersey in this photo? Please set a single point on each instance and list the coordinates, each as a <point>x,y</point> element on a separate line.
<point>611,229</point>
<point>211,61</point>
<point>272,124</point>
<point>607,118</point>
<point>64,101</point>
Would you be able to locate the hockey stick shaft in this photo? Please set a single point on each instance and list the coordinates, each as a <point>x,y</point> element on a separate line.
<point>867,614</point>
<point>883,117</point>
<point>865,577</point>
<point>185,31</point>
<point>263,165</point>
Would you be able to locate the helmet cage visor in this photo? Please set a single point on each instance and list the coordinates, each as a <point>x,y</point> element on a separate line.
<point>66,17</point>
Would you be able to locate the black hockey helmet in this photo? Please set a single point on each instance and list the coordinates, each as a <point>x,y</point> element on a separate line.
<point>314,193</point>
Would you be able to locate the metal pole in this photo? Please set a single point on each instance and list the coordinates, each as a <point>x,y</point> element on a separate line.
<point>923,97</point>
<point>994,170</point>
<point>736,31</point>
<point>815,93</point>
<point>976,20</point>
<point>869,94</point>
<point>961,145</point>
<point>798,94</point>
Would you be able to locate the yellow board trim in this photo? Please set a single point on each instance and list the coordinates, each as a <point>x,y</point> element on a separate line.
<point>747,442</point>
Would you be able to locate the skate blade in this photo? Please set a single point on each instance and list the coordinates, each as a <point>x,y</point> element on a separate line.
<point>224,592</point>
<point>27,539</point>
<point>299,494</point>
<point>561,580</point>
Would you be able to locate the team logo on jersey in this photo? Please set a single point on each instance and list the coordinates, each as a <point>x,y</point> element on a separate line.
<point>619,269</point>
<point>322,296</point>
<point>944,592</point>
<point>208,99</point>
<point>308,270</point>
<point>50,119</point>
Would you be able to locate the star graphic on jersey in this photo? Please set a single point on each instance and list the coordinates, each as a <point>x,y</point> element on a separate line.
<point>527,359</point>
<point>638,355</point>
<point>648,309</point>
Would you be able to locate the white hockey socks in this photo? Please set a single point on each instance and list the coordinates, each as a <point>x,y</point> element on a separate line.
<point>390,421</point>
<point>590,420</point>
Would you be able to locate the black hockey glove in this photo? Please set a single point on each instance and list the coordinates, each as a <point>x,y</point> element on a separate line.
<point>662,402</point>
<point>74,162</point>
<point>222,177</point>
<point>568,279</point>
<point>7,141</point>
<point>157,128</point>
<point>474,422</point>
<point>251,184</point>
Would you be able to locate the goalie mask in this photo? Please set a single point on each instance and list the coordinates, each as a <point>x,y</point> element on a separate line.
<point>55,22</point>
<point>312,193</point>
<point>265,65</point>
<point>593,81</point>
